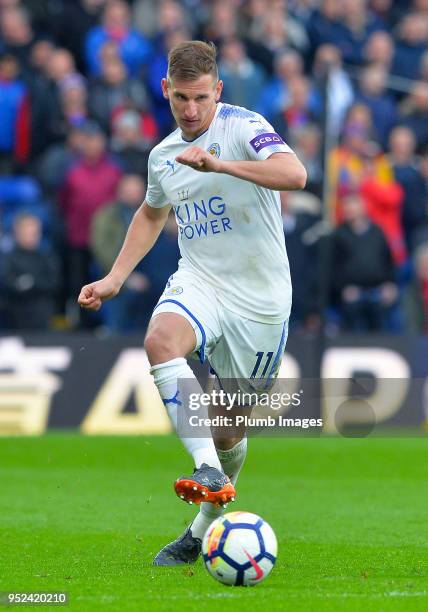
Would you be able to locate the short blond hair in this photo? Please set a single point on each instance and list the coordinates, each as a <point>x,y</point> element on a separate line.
<point>191,59</point>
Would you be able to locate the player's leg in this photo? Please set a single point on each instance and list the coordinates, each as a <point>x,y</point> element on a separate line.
<point>234,359</point>
<point>170,337</point>
<point>231,459</point>
<point>203,321</point>
<point>181,325</point>
<point>187,547</point>
<point>231,446</point>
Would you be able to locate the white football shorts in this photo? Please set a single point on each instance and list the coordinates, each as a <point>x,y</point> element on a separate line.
<point>235,346</point>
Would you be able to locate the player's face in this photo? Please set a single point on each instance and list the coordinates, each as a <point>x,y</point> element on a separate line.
<point>193,103</point>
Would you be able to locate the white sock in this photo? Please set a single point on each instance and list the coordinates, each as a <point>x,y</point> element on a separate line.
<point>166,376</point>
<point>232,461</point>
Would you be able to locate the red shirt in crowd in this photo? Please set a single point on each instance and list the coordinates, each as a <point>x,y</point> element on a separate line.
<point>87,188</point>
<point>384,202</point>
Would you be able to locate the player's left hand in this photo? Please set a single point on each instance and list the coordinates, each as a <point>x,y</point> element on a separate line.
<point>198,159</point>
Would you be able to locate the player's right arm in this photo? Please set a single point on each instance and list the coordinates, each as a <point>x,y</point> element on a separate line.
<point>142,234</point>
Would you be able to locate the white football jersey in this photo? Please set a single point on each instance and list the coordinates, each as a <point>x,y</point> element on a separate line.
<point>230,230</point>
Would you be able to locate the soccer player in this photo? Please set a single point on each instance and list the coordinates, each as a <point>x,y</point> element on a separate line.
<point>229,302</point>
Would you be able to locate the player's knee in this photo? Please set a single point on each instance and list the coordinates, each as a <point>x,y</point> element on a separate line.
<point>160,347</point>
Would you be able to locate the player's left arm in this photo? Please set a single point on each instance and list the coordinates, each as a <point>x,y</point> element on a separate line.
<point>260,156</point>
<point>280,171</point>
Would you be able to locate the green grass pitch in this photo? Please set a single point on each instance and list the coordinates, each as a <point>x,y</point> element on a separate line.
<point>86,515</point>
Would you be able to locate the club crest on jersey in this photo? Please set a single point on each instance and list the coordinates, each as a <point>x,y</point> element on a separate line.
<point>183,195</point>
<point>214,149</point>
<point>174,291</point>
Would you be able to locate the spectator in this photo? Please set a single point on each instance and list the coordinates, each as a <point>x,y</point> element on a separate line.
<point>358,23</point>
<point>145,17</point>
<point>363,281</point>
<point>135,50</point>
<point>88,186</point>
<point>109,52</point>
<point>157,71</point>
<point>150,16</point>
<point>345,161</point>
<point>161,261</point>
<point>41,55</point>
<point>222,22</point>
<point>30,277</point>
<point>74,103</point>
<point>78,18</point>
<point>17,34</point>
<point>372,92</point>
<point>339,90</point>
<point>60,66</point>
<point>411,45</point>
<point>132,141</point>
<point>421,7</point>
<point>360,166</point>
<point>271,35</point>
<point>19,193</point>
<point>402,145</point>
<point>415,300</point>
<point>379,49</point>
<point>252,12</point>
<point>59,158</point>
<point>62,75</point>
<point>251,15</point>
<point>297,112</point>
<point>44,103</point>
<point>113,91</point>
<point>300,212</point>
<point>274,94</point>
<point>170,17</point>
<point>14,115</point>
<point>129,310</point>
<point>386,12</point>
<point>383,198</point>
<point>276,30</point>
<point>325,24</point>
<point>242,78</point>
<point>302,10</point>
<point>307,145</point>
<point>414,112</point>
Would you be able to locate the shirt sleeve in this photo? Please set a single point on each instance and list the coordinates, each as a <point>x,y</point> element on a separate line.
<point>155,196</point>
<point>259,140</point>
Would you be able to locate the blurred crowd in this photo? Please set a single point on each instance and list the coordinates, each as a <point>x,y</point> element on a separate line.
<point>345,82</point>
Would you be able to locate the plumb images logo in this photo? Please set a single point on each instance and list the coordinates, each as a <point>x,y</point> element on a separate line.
<point>357,406</point>
<point>230,412</point>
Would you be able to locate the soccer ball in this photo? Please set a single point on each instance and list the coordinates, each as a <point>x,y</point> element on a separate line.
<point>239,549</point>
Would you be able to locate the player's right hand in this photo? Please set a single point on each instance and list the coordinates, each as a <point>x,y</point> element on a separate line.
<point>93,295</point>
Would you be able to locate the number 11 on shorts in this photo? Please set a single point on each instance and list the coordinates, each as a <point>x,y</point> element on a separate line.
<point>259,358</point>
